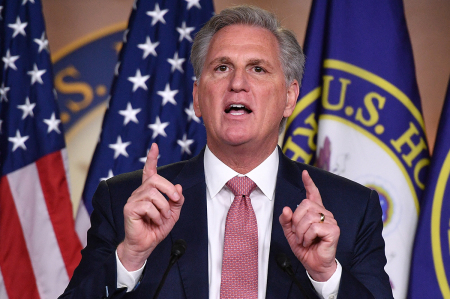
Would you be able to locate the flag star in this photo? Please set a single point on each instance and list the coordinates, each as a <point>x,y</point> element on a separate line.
<point>120,148</point>
<point>27,108</point>
<point>139,80</point>
<point>1,121</point>
<point>52,124</point>
<point>1,8</point>
<point>191,3</point>
<point>10,60</point>
<point>110,175</point>
<point>185,143</point>
<point>191,113</point>
<point>18,27</point>
<point>130,114</point>
<point>185,32</point>
<point>148,47</point>
<point>36,75</point>
<point>158,128</point>
<point>18,141</point>
<point>134,4</point>
<point>168,95</point>
<point>3,90</point>
<point>144,159</point>
<point>157,15</point>
<point>25,1</point>
<point>42,42</point>
<point>176,63</point>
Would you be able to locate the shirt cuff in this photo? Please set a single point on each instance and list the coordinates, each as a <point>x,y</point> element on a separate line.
<point>126,279</point>
<point>328,289</point>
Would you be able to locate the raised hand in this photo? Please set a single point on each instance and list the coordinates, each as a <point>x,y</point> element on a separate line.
<point>312,240</point>
<point>148,216</point>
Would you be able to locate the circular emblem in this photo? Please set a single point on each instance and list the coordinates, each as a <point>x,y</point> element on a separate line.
<point>440,228</point>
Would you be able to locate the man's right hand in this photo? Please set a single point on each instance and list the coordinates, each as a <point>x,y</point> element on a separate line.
<point>148,216</point>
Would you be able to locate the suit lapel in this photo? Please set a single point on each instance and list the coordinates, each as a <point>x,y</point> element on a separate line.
<point>193,228</point>
<point>289,192</point>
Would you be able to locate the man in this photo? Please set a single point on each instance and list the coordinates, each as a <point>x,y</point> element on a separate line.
<point>248,71</point>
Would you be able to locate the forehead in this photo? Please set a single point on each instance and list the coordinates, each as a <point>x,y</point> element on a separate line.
<point>243,39</point>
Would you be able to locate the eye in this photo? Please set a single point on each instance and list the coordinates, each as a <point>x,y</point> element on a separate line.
<point>258,69</point>
<point>222,68</point>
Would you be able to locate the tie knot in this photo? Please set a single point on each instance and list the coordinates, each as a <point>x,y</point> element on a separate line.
<point>241,186</point>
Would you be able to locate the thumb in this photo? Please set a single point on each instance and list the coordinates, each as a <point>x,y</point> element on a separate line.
<point>175,206</point>
<point>151,162</point>
<point>286,220</point>
<point>288,228</point>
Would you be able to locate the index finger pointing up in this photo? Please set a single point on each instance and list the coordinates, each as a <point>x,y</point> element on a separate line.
<point>312,192</point>
<point>151,163</point>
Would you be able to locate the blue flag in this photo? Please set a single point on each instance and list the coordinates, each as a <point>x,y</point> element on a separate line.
<point>151,96</point>
<point>39,246</point>
<point>359,114</point>
<point>430,267</point>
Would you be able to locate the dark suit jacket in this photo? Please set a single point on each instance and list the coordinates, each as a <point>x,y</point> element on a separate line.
<point>356,209</point>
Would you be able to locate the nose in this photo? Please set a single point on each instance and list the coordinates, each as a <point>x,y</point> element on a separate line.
<point>239,81</point>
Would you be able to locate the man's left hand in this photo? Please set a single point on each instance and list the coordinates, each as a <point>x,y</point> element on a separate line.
<point>312,233</point>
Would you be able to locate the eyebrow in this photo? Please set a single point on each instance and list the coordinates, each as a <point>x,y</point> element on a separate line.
<point>227,60</point>
<point>223,59</point>
<point>259,61</point>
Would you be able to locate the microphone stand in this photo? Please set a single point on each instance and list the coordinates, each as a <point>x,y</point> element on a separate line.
<point>178,249</point>
<point>285,264</point>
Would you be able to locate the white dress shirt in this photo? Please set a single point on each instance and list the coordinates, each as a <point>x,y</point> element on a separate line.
<point>219,199</point>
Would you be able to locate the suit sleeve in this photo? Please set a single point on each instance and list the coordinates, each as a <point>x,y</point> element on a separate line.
<point>364,275</point>
<point>95,276</point>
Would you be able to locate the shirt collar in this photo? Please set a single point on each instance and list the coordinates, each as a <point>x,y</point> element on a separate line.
<point>217,174</point>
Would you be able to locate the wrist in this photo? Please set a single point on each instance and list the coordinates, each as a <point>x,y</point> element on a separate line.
<point>131,259</point>
<point>324,274</point>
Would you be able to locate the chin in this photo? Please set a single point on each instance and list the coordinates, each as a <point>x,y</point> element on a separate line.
<point>237,138</point>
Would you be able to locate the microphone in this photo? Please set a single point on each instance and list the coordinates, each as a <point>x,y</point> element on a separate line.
<point>178,249</point>
<point>285,264</point>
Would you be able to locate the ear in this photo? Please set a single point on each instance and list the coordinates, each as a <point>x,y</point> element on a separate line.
<point>292,95</point>
<point>196,102</point>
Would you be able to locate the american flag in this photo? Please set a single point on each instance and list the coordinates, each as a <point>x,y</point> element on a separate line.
<point>151,96</point>
<point>39,247</point>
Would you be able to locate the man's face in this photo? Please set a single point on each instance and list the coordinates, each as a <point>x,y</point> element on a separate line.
<point>242,94</point>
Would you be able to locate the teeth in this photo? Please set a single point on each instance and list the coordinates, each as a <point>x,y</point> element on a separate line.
<point>237,109</point>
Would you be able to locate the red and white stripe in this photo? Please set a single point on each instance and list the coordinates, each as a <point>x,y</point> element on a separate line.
<point>82,223</point>
<point>39,248</point>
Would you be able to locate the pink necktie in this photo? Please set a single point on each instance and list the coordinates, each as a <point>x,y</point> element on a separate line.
<point>240,251</point>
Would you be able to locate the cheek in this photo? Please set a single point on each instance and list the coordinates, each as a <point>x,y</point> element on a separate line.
<point>277,105</point>
<point>206,109</point>
<point>211,101</point>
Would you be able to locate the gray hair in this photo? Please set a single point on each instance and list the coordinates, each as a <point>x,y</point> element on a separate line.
<point>291,54</point>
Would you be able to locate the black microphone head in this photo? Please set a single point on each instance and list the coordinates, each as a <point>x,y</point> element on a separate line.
<point>283,262</point>
<point>178,248</point>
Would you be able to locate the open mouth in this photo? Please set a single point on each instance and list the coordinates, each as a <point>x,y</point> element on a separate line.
<point>237,109</point>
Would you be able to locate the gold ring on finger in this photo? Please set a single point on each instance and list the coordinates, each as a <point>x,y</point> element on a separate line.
<point>322,217</point>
